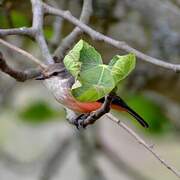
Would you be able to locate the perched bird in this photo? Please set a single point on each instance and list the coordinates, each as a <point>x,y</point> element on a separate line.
<point>59,81</point>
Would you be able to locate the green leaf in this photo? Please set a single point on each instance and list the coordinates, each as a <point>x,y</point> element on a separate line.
<point>89,57</point>
<point>96,83</point>
<point>81,57</point>
<point>93,79</point>
<point>121,66</point>
<point>71,60</point>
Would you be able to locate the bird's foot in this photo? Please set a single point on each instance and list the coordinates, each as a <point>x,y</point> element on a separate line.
<point>79,121</point>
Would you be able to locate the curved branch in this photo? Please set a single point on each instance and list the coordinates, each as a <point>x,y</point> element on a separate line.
<point>20,76</point>
<point>57,28</point>
<point>57,24</point>
<point>94,116</point>
<point>118,44</point>
<point>17,31</point>
<point>36,31</point>
<point>120,163</point>
<point>68,41</point>
<point>24,53</point>
<point>103,110</point>
<point>144,144</point>
<point>38,15</point>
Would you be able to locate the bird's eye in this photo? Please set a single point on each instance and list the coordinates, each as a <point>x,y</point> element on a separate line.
<point>55,73</point>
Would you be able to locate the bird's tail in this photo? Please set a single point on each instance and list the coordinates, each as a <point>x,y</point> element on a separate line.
<point>118,103</point>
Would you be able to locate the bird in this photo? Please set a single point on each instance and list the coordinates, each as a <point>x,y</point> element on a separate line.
<point>59,81</point>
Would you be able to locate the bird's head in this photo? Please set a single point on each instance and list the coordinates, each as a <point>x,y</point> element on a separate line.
<point>56,69</point>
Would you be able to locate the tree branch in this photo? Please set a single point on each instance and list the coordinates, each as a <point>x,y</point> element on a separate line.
<point>17,31</point>
<point>38,14</point>
<point>118,44</point>
<point>36,31</point>
<point>144,144</point>
<point>94,116</point>
<point>68,41</point>
<point>18,75</point>
<point>103,110</point>
<point>57,30</point>
<point>119,163</point>
<point>57,24</point>
<point>24,53</point>
<point>94,34</point>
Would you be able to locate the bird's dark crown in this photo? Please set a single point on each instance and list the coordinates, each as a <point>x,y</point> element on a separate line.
<point>56,69</point>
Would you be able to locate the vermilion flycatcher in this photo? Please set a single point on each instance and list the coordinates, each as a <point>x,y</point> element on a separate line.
<point>59,81</point>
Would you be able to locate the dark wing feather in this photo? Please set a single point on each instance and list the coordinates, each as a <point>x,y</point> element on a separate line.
<point>119,102</point>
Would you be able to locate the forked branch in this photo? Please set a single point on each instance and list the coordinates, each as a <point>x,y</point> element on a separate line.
<point>117,44</point>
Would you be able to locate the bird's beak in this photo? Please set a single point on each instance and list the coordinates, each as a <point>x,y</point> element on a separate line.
<point>40,77</point>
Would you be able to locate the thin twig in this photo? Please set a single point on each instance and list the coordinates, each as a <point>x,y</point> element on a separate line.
<point>94,34</point>
<point>37,32</point>
<point>118,44</point>
<point>68,41</point>
<point>24,53</point>
<point>57,25</point>
<point>38,14</point>
<point>17,31</point>
<point>143,143</point>
<point>20,76</point>
<point>94,116</point>
<point>119,163</point>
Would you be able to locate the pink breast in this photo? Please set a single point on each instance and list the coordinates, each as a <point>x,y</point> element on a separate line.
<point>83,107</point>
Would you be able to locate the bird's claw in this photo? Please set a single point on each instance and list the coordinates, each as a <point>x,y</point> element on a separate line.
<point>79,121</point>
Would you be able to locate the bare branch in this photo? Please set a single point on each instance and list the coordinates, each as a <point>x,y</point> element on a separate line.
<point>24,53</point>
<point>119,163</point>
<point>57,27</point>
<point>17,31</point>
<point>37,23</point>
<point>72,37</point>
<point>36,31</point>
<point>94,116</point>
<point>143,143</point>
<point>18,75</point>
<point>38,15</point>
<point>118,44</point>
